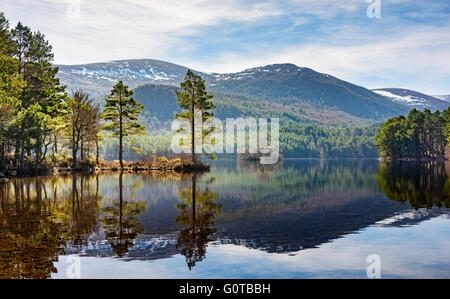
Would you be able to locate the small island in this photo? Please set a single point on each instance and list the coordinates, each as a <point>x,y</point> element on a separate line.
<point>421,136</point>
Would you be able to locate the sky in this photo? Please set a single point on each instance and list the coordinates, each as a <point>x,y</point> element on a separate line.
<point>406,45</point>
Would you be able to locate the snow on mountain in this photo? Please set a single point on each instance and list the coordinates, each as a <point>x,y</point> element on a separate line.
<point>293,86</point>
<point>284,84</point>
<point>412,98</point>
<point>98,78</point>
<point>261,71</point>
<point>444,97</point>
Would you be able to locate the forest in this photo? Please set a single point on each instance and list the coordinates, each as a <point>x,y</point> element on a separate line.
<point>33,103</point>
<point>420,135</point>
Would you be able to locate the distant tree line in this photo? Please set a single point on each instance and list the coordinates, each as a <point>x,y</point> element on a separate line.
<point>299,136</point>
<point>296,141</point>
<point>313,141</point>
<point>420,135</point>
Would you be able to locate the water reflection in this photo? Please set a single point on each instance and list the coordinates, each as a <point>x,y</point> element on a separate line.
<point>84,211</point>
<point>120,220</point>
<point>38,218</point>
<point>197,212</point>
<point>302,205</point>
<point>296,205</point>
<point>421,184</point>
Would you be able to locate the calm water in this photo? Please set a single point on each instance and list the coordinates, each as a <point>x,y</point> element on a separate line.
<point>299,219</point>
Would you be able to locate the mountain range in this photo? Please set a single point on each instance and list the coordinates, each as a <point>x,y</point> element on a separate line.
<point>413,98</point>
<point>98,78</point>
<point>295,93</point>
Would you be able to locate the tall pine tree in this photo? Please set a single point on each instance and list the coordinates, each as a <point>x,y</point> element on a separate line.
<point>121,111</point>
<point>193,99</point>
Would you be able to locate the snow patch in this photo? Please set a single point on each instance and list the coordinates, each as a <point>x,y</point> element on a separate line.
<point>408,99</point>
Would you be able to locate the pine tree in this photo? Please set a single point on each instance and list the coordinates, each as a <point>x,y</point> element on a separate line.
<point>416,136</point>
<point>121,111</point>
<point>194,99</point>
<point>34,58</point>
<point>11,85</point>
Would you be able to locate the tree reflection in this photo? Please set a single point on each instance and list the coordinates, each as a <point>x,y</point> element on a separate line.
<point>35,223</point>
<point>422,185</point>
<point>197,212</point>
<point>121,222</point>
<point>84,211</point>
<point>29,241</point>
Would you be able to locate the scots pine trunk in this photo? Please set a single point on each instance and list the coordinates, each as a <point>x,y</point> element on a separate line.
<point>81,150</point>
<point>74,149</point>
<point>55,145</point>
<point>193,128</point>
<point>97,152</point>
<point>120,132</point>
<point>17,149</point>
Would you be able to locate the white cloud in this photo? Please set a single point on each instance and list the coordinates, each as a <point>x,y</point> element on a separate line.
<point>108,30</point>
<point>423,53</point>
<point>174,29</point>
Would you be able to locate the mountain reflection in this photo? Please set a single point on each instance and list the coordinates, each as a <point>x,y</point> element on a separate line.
<point>197,212</point>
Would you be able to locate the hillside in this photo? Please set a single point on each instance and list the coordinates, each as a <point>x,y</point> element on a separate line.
<point>297,93</point>
<point>302,133</point>
<point>290,85</point>
<point>161,106</point>
<point>291,93</point>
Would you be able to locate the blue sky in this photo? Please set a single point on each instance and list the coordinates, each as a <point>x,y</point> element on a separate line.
<point>409,46</point>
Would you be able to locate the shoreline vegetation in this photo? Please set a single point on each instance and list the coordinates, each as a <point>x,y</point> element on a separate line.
<point>44,130</point>
<point>159,164</point>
